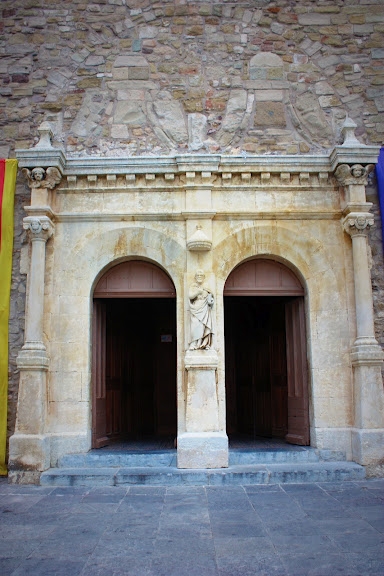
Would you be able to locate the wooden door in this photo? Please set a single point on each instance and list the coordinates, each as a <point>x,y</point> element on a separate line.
<point>135,369</point>
<point>266,370</point>
<point>256,383</point>
<point>99,399</point>
<point>134,354</point>
<point>297,377</point>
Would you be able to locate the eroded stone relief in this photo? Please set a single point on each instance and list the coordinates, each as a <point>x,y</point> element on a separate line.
<point>264,105</point>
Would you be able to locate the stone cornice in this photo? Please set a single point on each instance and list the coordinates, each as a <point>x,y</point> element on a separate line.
<point>187,163</point>
<point>189,170</point>
<point>84,165</point>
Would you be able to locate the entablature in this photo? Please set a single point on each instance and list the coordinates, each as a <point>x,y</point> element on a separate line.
<point>270,185</point>
<point>218,171</point>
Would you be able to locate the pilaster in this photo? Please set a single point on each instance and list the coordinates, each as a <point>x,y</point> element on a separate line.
<point>366,354</point>
<point>29,447</point>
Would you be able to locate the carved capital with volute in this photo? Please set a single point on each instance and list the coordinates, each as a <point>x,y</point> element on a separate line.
<point>42,178</point>
<point>358,224</point>
<point>357,174</point>
<point>38,227</point>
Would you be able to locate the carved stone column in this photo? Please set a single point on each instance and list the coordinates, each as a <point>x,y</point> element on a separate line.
<point>40,229</point>
<point>366,354</point>
<point>29,447</point>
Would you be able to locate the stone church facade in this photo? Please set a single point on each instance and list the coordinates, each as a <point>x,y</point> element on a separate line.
<point>195,220</point>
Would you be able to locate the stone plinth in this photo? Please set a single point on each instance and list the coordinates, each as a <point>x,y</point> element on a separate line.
<point>202,450</point>
<point>203,445</point>
<point>30,456</point>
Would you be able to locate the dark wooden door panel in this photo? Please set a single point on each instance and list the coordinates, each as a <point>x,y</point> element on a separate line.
<point>99,418</point>
<point>297,377</point>
<point>261,384</point>
<point>256,366</point>
<point>135,368</point>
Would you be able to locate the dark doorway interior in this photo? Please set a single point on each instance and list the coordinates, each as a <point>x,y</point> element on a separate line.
<point>256,366</point>
<point>140,368</point>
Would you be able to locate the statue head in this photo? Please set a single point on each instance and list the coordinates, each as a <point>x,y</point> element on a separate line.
<point>357,171</point>
<point>199,276</point>
<point>38,174</point>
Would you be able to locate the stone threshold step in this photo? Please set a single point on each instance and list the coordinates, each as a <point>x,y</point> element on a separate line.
<point>109,459</point>
<point>234,475</point>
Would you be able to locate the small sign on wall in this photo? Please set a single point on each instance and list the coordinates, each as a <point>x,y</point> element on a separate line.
<point>166,338</point>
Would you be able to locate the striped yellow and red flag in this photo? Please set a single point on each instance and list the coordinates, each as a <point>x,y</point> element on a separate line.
<point>8,170</point>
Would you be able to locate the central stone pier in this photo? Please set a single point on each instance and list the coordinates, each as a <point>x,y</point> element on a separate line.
<point>203,444</point>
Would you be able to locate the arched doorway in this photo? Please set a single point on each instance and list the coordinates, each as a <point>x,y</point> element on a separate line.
<point>265,353</point>
<point>134,354</point>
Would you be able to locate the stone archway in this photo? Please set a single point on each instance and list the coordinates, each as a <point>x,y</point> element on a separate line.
<point>134,354</point>
<point>266,359</point>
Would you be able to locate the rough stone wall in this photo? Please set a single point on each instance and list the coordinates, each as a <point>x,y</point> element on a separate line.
<point>144,77</point>
<point>17,308</point>
<point>149,77</point>
<point>377,270</point>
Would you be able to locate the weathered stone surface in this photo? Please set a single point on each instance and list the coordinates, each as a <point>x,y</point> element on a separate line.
<point>312,117</point>
<point>234,114</point>
<point>270,114</point>
<point>171,118</point>
<point>94,60</point>
<point>119,131</point>
<point>197,129</point>
<point>130,113</point>
<point>314,19</point>
<point>128,61</point>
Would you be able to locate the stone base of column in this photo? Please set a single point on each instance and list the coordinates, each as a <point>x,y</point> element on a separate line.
<point>29,455</point>
<point>368,429</point>
<point>333,439</point>
<point>368,387</point>
<point>202,450</point>
<point>368,446</point>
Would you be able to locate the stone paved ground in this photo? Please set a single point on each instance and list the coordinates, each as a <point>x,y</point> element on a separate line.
<point>282,530</point>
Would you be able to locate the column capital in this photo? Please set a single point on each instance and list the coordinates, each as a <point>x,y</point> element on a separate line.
<point>38,227</point>
<point>45,178</point>
<point>358,224</point>
<point>355,174</point>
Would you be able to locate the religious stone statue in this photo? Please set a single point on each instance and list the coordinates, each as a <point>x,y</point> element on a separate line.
<point>200,304</point>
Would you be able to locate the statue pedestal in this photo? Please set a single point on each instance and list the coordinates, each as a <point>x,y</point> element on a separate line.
<point>203,444</point>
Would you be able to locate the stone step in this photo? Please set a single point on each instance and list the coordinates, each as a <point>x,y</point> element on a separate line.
<point>111,459</point>
<point>286,473</point>
<point>158,458</point>
<point>267,456</point>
